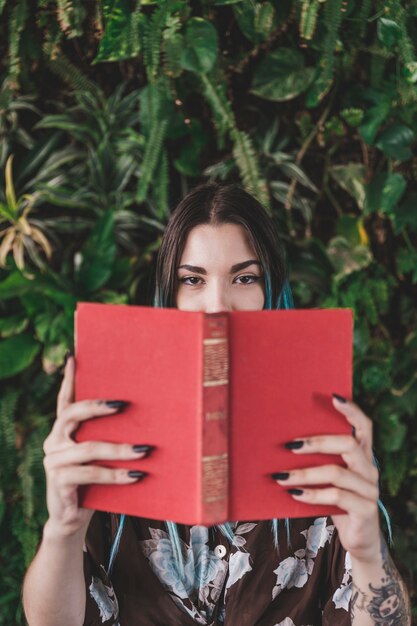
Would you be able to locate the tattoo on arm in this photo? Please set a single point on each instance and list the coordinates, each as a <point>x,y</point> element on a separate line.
<point>388,603</point>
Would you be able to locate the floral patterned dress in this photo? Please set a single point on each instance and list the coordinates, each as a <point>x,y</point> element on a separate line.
<point>244,584</point>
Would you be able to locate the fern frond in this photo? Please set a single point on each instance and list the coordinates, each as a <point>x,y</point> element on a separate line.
<point>71,14</point>
<point>222,112</point>
<point>71,75</point>
<point>17,22</point>
<point>172,46</point>
<point>8,404</point>
<point>160,188</point>
<point>152,41</point>
<point>264,19</point>
<point>308,22</point>
<point>396,12</point>
<point>247,163</point>
<point>150,158</point>
<point>243,150</point>
<point>333,19</point>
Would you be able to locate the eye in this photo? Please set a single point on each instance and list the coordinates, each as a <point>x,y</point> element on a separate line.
<point>248,279</point>
<point>184,280</point>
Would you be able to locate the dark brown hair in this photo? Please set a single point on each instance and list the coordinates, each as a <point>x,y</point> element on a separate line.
<point>215,203</point>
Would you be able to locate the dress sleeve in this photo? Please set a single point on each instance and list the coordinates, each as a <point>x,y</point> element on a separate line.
<point>101,603</point>
<point>337,585</point>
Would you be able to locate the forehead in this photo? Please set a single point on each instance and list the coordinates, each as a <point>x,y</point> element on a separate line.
<point>221,243</point>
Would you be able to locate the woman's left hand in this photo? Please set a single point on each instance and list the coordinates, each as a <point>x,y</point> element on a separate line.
<point>353,489</point>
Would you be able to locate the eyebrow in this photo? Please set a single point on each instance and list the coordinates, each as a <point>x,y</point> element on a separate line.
<point>235,268</point>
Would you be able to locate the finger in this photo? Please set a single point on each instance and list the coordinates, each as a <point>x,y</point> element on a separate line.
<point>85,409</point>
<point>344,445</point>
<point>361,422</point>
<point>88,451</point>
<point>70,477</point>
<point>75,413</point>
<point>334,475</point>
<point>345,500</point>
<point>66,391</point>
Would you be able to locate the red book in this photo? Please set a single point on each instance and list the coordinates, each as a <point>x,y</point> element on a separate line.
<point>218,395</point>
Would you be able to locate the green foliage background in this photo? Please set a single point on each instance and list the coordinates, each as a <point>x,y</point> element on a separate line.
<point>112,110</point>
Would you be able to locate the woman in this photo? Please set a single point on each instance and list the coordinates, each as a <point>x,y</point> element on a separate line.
<point>220,252</point>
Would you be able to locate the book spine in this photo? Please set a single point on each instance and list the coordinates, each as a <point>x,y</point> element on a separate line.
<point>215,418</point>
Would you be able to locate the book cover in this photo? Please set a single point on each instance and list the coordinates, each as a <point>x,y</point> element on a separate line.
<point>218,395</point>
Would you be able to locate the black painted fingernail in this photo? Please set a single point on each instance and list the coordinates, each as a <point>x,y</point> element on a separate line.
<point>116,404</point>
<point>353,431</point>
<point>340,398</point>
<point>294,445</point>
<point>280,475</point>
<point>143,448</point>
<point>295,492</point>
<point>137,474</point>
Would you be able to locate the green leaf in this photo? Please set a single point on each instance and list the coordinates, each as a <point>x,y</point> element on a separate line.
<point>351,177</point>
<point>16,354</point>
<point>345,258</point>
<point>407,263</point>
<point>188,159</point>
<point>376,378</point>
<point>282,76</point>
<point>391,431</point>
<point>405,215</point>
<point>14,285</point>
<point>374,117</point>
<point>201,43</point>
<point>13,325</point>
<point>395,470</point>
<point>350,227</point>
<point>395,142</point>
<point>121,37</point>
<point>388,32</point>
<point>98,254</point>
<point>384,192</point>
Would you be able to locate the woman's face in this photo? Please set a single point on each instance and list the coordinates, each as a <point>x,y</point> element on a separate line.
<point>219,271</point>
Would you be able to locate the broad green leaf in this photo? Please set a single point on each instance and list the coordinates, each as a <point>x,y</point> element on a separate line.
<point>14,285</point>
<point>376,378</point>
<point>53,357</point>
<point>384,192</point>
<point>351,177</point>
<point>13,325</point>
<point>282,76</point>
<point>374,117</point>
<point>388,32</point>
<point>395,142</point>
<point>407,263</point>
<point>351,228</point>
<point>16,354</point>
<point>405,215</point>
<point>395,470</point>
<point>345,258</point>
<point>98,254</point>
<point>201,43</point>
<point>391,430</point>
<point>188,160</point>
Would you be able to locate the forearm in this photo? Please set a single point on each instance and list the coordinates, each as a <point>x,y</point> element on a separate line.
<point>54,589</point>
<point>378,593</point>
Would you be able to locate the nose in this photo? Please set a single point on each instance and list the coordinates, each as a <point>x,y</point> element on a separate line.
<point>217,299</point>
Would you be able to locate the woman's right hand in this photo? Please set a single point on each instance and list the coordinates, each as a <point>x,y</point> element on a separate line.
<point>68,463</point>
